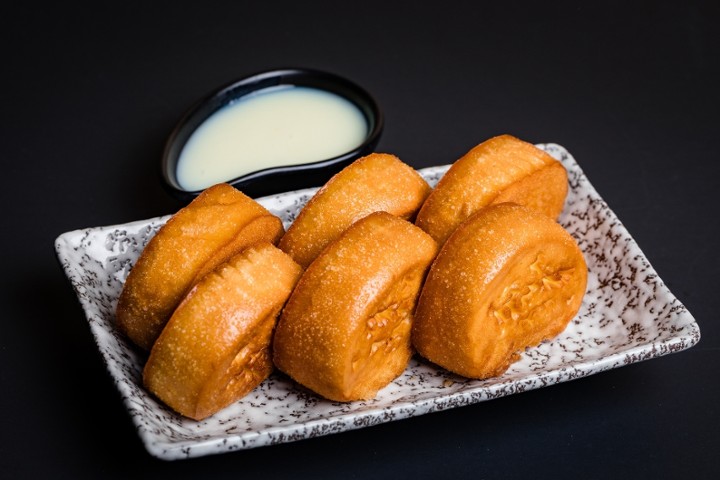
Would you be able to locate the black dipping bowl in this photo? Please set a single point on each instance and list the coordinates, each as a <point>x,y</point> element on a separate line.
<point>277,179</point>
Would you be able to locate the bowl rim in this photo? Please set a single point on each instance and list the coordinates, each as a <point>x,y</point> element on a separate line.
<point>219,97</point>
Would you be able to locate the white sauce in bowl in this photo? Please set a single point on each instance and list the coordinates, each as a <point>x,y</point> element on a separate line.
<point>273,128</point>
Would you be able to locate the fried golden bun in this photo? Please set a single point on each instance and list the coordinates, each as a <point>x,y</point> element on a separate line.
<point>376,182</point>
<point>216,346</point>
<point>218,223</point>
<point>501,169</point>
<point>345,331</point>
<point>508,278</point>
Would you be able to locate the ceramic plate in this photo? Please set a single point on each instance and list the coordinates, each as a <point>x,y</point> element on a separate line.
<point>628,315</point>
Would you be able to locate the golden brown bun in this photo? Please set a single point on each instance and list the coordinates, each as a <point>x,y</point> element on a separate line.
<point>508,278</point>
<point>215,348</point>
<point>501,169</point>
<point>220,222</point>
<point>373,183</point>
<point>345,331</point>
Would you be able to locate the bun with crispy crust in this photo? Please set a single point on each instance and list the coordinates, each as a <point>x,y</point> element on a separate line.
<point>501,169</point>
<point>345,331</point>
<point>377,182</point>
<point>217,224</point>
<point>216,346</point>
<point>507,279</point>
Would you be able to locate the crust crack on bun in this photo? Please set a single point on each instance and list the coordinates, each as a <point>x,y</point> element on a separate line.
<point>216,346</point>
<point>345,331</point>
<point>507,279</point>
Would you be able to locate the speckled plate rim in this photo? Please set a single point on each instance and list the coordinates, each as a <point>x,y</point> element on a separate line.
<point>628,315</point>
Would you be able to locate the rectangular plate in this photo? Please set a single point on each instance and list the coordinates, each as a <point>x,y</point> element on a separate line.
<point>628,315</point>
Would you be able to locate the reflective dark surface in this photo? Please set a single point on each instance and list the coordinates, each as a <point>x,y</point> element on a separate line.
<point>91,94</point>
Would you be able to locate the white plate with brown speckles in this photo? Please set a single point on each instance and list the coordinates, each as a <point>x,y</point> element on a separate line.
<point>628,315</point>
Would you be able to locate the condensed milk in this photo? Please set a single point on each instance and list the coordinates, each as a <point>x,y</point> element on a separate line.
<point>276,127</point>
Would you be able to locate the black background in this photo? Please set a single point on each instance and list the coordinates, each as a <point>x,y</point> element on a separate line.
<point>629,88</point>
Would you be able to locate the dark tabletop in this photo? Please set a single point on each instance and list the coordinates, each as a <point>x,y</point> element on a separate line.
<point>631,90</point>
